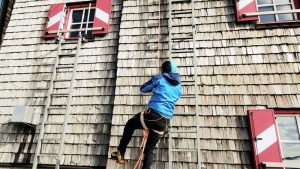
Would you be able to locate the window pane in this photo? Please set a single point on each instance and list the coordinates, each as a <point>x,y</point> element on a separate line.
<point>92,13</point>
<point>291,151</point>
<point>282,1</point>
<point>267,18</point>
<point>77,16</point>
<point>263,2</point>
<point>85,15</point>
<point>288,128</point>
<point>75,34</point>
<point>89,32</point>
<point>282,17</point>
<point>264,9</point>
<point>283,7</point>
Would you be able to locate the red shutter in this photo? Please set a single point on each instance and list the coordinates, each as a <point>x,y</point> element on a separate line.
<point>245,6</point>
<point>102,16</point>
<point>264,137</point>
<point>54,17</point>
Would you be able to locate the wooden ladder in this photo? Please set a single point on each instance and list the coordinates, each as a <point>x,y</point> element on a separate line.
<point>174,48</point>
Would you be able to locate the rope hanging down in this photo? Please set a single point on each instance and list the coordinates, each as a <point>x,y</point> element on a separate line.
<point>158,37</point>
<point>138,164</point>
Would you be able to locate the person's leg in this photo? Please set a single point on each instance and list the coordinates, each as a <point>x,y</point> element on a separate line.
<point>131,125</point>
<point>152,140</point>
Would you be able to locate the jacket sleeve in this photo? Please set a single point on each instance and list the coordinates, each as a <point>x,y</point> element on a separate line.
<point>148,86</point>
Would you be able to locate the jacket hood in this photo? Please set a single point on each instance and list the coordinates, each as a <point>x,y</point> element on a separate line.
<point>173,78</point>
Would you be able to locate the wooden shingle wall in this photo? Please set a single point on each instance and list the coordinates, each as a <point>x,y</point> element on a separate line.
<point>26,62</point>
<point>240,66</point>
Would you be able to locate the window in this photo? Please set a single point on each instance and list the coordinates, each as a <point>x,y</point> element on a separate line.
<point>81,18</point>
<point>267,11</point>
<point>275,138</point>
<point>276,5</point>
<point>289,134</point>
<point>80,15</point>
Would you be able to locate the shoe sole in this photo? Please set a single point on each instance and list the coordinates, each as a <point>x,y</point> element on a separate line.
<point>120,161</point>
<point>116,158</point>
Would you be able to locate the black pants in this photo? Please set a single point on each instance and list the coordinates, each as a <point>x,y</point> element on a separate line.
<point>153,121</point>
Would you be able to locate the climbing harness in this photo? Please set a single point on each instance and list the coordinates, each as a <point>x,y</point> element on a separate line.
<point>145,137</point>
<point>144,124</point>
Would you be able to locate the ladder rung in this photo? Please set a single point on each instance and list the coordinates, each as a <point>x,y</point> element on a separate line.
<point>61,80</point>
<point>48,155</point>
<point>64,66</point>
<point>182,131</point>
<point>183,38</point>
<point>188,96</point>
<point>69,42</point>
<point>67,55</point>
<point>188,81</point>
<point>177,1</point>
<point>60,94</point>
<point>181,12</point>
<point>57,107</point>
<point>182,24</point>
<point>183,150</point>
<point>54,123</point>
<point>185,114</point>
<point>183,51</point>
<point>51,139</point>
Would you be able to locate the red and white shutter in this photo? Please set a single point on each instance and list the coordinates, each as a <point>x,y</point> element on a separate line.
<point>264,137</point>
<point>54,17</point>
<point>102,16</point>
<point>245,6</point>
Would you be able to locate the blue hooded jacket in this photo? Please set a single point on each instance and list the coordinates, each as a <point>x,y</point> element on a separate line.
<point>166,89</point>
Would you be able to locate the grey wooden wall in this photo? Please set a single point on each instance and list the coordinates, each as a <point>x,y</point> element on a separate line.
<point>240,66</point>
<point>26,65</point>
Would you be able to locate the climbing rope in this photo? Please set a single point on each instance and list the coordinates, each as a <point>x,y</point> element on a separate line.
<point>158,37</point>
<point>138,164</point>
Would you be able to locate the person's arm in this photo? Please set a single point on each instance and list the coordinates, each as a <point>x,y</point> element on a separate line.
<point>148,86</point>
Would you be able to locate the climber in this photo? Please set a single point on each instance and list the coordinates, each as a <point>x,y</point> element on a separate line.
<point>166,90</point>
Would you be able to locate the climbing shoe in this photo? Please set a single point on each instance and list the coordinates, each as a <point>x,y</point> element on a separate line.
<point>118,157</point>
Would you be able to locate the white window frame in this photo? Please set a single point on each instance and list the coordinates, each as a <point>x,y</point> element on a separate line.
<point>288,141</point>
<point>81,23</point>
<point>274,4</point>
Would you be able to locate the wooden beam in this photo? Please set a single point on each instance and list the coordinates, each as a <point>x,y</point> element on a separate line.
<point>271,12</point>
<point>284,164</point>
<point>78,30</point>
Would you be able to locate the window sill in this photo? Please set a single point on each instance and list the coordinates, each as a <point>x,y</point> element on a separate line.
<point>289,24</point>
<point>76,38</point>
<point>277,22</point>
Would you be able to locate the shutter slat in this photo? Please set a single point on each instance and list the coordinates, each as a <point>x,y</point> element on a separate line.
<point>264,136</point>
<point>245,6</point>
<point>102,16</point>
<point>54,17</point>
